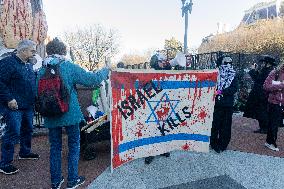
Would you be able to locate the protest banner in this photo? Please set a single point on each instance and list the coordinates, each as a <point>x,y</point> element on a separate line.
<point>153,112</point>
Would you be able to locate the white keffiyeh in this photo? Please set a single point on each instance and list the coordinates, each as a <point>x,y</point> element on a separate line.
<point>225,77</point>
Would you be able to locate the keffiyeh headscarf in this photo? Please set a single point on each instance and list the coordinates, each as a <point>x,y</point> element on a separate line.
<point>225,77</point>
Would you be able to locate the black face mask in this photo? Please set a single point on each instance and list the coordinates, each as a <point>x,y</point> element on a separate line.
<point>225,63</point>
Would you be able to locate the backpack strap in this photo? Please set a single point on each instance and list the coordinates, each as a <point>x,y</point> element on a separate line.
<point>55,67</point>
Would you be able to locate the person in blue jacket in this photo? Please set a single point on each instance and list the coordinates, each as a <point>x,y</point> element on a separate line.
<point>71,75</point>
<point>17,98</point>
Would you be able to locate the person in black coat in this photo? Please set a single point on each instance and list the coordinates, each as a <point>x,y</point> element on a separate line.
<point>256,105</point>
<point>158,62</point>
<point>227,86</point>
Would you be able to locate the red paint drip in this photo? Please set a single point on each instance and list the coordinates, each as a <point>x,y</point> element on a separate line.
<point>194,98</point>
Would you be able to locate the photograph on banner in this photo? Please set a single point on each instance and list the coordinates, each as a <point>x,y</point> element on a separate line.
<point>155,112</point>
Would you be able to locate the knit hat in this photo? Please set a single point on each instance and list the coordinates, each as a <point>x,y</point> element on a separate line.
<point>268,59</point>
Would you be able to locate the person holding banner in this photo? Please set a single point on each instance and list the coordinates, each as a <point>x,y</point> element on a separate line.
<point>158,62</point>
<point>70,74</point>
<point>227,86</point>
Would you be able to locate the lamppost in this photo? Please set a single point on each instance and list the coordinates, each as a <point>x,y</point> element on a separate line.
<point>186,8</point>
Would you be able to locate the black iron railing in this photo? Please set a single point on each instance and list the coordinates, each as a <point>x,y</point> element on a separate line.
<point>242,63</point>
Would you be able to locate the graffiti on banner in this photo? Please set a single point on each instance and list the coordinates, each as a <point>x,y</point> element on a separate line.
<point>155,112</point>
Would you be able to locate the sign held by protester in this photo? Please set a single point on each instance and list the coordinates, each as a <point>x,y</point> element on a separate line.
<point>154,112</point>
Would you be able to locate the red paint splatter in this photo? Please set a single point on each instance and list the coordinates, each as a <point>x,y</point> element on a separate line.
<point>194,121</point>
<point>185,147</point>
<point>183,124</point>
<point>202,115</point>
<point>138,133</point>
<point>163,113</point>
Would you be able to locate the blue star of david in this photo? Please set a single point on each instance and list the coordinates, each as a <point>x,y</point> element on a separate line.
<point>153,117</point>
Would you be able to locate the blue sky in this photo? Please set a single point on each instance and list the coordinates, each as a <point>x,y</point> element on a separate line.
<point>144,24</point>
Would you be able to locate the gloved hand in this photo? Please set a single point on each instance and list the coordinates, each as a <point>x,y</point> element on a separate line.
<point>218,92</point>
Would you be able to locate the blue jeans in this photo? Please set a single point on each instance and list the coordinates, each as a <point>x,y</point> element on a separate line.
<point>55,140</point>
<point>19,126</point>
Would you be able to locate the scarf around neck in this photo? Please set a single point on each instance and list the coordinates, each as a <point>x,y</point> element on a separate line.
<point>54,59</point>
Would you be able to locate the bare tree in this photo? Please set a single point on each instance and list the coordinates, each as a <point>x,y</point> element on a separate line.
<point>92,45</point>
<point>137,57</point>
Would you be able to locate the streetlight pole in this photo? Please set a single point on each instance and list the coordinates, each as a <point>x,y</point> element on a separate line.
<point>186,8</point>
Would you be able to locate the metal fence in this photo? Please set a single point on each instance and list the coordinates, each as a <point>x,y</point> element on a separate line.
<point>242,63</point>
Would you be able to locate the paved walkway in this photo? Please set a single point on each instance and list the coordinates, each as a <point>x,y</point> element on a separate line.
<point>228,170</point>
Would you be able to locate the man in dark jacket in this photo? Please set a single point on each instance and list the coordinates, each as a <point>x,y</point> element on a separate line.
<point>256,106</point>
<point>227,86</point>
<point>17,96</point>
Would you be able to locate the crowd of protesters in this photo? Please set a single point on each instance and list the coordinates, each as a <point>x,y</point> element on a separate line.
<point>19,86</point>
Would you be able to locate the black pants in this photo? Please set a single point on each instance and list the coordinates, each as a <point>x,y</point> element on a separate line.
<point>221,127</point>
<point>262,115</point>
<point>275,121</point>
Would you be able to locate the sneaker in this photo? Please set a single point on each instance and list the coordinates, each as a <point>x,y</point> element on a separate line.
<point>149,159</point>
<point>272,147</point>
<point>9,170</point>
<point>29,156</point>
<point>72,185</point>
<point>57,185</point>
<point>166,154</point>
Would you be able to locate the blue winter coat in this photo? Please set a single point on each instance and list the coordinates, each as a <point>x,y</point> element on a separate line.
<point>71,75</point>
<point>17,81</point>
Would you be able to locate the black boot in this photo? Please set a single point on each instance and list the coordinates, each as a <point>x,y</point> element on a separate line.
<point>216,149</point>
